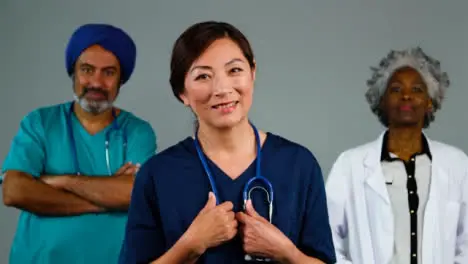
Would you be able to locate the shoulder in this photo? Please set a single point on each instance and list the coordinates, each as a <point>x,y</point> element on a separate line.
<point>360,150</point>
<point>46,115</point>
<point>137,127</point>
<point>348,164</point>
<point>454,162</point>
<point>356,154</point>
<point>448,153</point>
<point>134,122</point>
<point>179,152</point>
<point>291,152</point>
<point>171,158</point>
<point>287,146</point>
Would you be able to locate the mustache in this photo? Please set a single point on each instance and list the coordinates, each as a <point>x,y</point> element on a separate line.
<point>96,90</point>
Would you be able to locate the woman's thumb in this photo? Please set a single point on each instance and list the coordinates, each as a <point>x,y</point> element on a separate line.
<point>211,203</point>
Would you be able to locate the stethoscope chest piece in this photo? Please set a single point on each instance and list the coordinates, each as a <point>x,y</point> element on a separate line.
<point>266,187</point>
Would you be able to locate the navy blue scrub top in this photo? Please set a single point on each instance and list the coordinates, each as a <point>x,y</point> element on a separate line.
<point>172,187</point>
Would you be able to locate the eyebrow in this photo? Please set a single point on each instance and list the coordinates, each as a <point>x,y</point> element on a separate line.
<point>94,67</point>
<point>210,68</point>
<point>400,82</point>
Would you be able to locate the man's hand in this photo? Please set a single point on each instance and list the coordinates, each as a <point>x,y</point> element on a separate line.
<point>128,168</point>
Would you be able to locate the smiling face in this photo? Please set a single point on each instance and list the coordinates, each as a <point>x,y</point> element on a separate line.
<point>219,85</point>
<point>406,100</point>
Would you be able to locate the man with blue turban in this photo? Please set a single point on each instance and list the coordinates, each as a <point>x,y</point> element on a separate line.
<point>71,166</point>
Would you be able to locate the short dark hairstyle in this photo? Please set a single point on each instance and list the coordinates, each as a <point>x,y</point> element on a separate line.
<point>194,41</point>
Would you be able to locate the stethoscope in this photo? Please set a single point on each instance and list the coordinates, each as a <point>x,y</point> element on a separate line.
<point>115,126</point>
<point>246,192</point>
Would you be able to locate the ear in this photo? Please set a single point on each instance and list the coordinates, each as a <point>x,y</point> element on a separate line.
<point>430,106</point>
<point>184,99</point>
<point>254,70</point>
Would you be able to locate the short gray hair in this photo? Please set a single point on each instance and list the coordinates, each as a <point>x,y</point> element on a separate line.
<point>435,79</point>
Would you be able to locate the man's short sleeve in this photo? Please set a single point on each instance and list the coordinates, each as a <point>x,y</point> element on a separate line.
<point>142,144</point>
<point>27,151</point>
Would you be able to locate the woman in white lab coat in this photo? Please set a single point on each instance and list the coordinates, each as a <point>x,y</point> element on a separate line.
<point>401,199</point>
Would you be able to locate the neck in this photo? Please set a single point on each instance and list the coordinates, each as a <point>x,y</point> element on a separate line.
<point>237,139</point>
<point>404,142</point>
<point>93,123</point>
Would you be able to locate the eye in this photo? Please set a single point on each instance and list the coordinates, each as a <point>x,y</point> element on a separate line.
<point>109,73</point>
<point>395,88</point>
<point>86,70</point>
<point>202,76</point>
<point>236,70</point>
<point>417,89</point>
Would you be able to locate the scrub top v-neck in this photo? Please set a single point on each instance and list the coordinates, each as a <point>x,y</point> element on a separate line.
<point>172,187</point>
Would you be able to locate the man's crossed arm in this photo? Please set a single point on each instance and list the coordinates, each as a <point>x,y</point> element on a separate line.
<point>69,194</point>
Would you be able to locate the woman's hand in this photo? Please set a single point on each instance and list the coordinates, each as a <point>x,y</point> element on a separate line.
<point>261,238</point>
<point>213,225</point>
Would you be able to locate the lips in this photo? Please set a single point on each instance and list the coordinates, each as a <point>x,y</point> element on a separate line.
<point>406,108</point>
<point>225,105</point>
<point>96,95</point>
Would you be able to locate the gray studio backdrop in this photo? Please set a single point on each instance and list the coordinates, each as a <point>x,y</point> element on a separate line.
<point>313,61</point>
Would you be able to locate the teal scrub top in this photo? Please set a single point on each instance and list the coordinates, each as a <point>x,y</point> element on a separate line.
<point>42,147</point>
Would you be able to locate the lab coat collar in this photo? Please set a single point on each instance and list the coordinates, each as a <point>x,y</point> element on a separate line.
<point>385,154</point>
<point>372,158</point>
<point>374,174</point>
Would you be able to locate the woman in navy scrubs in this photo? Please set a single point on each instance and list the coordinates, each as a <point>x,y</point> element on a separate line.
<point>184,212</point>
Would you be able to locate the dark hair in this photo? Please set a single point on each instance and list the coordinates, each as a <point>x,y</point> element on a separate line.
<point>194,41</point>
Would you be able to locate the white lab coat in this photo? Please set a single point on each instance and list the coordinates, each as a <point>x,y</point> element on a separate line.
<point>361,216</point>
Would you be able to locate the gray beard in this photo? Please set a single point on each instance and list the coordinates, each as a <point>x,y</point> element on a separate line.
<point>93,107</point>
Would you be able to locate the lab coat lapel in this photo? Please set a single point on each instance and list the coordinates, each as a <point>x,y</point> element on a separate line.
<point>381,222</point>
<point>431,244</point>
<point>374,177</point>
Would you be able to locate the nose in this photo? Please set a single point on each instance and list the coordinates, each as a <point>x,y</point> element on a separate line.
<point>222,86</point>
<point>96,80</point>
<point>406,94</point>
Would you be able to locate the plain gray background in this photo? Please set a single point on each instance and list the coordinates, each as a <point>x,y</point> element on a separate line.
<point>313,61</point>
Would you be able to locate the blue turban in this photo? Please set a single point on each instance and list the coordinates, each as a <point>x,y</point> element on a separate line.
<point>110,38</point>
